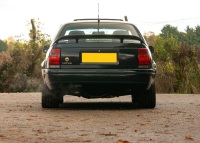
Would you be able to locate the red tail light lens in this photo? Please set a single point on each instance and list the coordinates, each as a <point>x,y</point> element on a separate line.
<point>54,58</point>
<point>144,60</point>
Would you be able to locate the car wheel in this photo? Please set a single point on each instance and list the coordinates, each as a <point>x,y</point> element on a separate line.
<point>145,99</point>
<point>50,99</point>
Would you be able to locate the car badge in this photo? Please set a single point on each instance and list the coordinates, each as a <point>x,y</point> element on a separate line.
<point>67,59</point>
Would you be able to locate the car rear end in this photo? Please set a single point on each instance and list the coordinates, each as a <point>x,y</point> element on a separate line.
<point>93,60</point>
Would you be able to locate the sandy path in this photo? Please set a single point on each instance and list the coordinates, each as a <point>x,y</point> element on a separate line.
<point>176,119</point>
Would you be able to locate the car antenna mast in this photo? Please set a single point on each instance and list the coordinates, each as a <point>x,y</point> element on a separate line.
<point>98,19</point>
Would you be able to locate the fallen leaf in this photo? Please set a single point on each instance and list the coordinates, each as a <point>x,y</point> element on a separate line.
<point>122,141</point>
<point>188,138</point>
<point>108,134</point>
<point>83,134</point>
<point>181,112</point>
<point>145,139</point>
<point>2,136</point>
<point>87,141</point>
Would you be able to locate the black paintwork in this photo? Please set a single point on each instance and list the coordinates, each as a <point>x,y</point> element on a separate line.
<point>98,79</point>
<point>77,37</point>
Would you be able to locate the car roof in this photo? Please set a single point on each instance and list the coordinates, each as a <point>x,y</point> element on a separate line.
<point>96,20</point>
<point>109,19</point>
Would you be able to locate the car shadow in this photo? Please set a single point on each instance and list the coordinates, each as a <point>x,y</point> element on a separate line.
<point>98,106</point>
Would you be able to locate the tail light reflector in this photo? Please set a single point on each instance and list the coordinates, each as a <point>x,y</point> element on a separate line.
<point>144,60</point>
<point>54,58</point>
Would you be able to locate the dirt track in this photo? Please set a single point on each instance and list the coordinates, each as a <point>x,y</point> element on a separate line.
<point>176,119</point>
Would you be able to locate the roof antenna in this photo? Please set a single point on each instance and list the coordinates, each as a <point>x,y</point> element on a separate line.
<point>98,19</point>
<point>126,18</point>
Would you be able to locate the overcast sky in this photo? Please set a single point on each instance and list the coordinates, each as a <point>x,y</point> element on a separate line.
<point>147,15</point>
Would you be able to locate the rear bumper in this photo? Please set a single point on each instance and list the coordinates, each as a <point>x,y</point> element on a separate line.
<point>136,78</point>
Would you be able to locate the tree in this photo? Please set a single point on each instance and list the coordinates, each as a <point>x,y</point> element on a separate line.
<point>150,38</point>
<point>170,31</point>
<point>3,46</point>
<point>193,36</point>
<point>187,73</point>
<point>164,47</point>
<point>36,43</point>
<point>176,55</point>
<point>23,62</point>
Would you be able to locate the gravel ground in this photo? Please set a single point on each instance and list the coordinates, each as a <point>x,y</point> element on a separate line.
<point>176,119</point>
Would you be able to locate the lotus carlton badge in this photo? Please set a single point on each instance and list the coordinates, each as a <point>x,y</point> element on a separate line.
<point>67,59</point>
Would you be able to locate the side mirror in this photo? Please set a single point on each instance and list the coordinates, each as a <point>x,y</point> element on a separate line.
<point>45,48</point>
<point>151,49</point>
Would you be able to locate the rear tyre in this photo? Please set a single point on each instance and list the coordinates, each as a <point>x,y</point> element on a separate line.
<point>50,99</point>
<point>145,99</point>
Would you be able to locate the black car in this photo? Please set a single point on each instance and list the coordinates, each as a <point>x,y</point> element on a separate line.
<point>98,58</point>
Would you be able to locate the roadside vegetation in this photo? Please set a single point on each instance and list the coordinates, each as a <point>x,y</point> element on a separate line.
<point>177,55</point>
<point>20,61</point>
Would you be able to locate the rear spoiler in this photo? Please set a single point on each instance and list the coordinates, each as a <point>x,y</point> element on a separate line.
<point>121,37</point>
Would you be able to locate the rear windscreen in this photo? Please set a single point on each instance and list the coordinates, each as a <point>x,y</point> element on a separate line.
<point>103,28</point>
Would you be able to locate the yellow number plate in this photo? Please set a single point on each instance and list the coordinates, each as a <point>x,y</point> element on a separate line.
<point>99,57</point>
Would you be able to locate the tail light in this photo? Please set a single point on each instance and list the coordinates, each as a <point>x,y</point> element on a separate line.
<point>54,58</point>
<point>144,60</point>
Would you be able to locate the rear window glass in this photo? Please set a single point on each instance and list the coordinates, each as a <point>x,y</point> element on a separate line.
<point>104,28</point>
